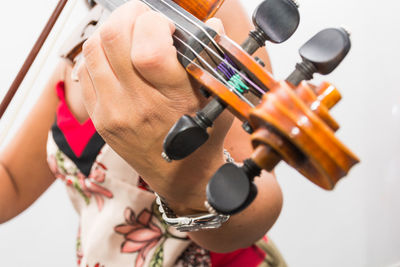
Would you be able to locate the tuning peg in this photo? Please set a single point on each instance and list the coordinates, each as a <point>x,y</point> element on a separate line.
<point>275,21</point>
<point>232,189</point>
<point>321,54</point>
<point>189,133</point>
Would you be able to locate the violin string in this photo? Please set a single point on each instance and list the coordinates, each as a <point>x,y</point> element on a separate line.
<point>186,18</point>
<point>182,15</point>
<point>205,46</point>
<point>211,69</point>
<point>222,79</point>
<point>208,49</point>
<point>197,65</point>
<point>194,23</point>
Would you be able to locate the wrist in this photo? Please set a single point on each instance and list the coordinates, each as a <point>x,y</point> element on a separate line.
<point>188,194</point>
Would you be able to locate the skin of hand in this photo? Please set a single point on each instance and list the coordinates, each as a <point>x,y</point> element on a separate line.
<point>134,90</point>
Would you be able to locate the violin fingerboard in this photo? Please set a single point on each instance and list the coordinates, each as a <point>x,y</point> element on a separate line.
<point>191,34</point>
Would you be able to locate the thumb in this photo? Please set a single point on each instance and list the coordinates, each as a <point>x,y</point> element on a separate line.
<point>216,25</point>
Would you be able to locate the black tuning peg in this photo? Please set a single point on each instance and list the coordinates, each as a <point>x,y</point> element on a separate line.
<point>189,133</point>
<point>232,189</point>
<point>321,54</point>
<point>275,21</point>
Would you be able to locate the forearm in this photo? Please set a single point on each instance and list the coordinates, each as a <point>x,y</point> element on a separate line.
<point>24,176</point>
<point>24,172</point>
<point>245,228</point>
<point>8,195</point>
<point>242,229</point>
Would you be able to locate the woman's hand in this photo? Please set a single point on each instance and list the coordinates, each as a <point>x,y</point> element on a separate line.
<point>135,89</point>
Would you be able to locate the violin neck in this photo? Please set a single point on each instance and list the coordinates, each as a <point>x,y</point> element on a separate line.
<point>191,34</point>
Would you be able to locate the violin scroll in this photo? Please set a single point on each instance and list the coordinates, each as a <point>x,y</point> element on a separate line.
<point>292,123</point>
<point>287,128</point>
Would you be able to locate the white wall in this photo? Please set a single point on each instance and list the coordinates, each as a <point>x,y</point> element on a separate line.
<point>358,223</point>
<point>355,225</point>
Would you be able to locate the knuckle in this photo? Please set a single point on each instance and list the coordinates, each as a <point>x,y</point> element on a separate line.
<point>89,47</point>
<point>153,56</point>
<point>108,121</point>
<point>109,33</point>
<point>115,122</point>
<point>151,50</point>
<point>150,58</point>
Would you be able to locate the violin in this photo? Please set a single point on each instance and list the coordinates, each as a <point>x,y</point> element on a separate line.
<point>286,120</point>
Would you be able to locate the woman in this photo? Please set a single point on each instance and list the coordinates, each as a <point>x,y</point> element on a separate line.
<point>132,87</point>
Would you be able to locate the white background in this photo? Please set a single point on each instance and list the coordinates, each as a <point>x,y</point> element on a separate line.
<point>358,224</point>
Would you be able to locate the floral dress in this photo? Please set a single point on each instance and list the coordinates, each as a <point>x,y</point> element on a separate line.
<point>119,222</point>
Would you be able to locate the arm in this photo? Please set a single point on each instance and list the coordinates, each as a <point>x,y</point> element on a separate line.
<point>150,91</point>
<point>24,173</point>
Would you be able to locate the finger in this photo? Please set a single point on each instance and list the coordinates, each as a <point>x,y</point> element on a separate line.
<point>116,37</point>
<point>216,25</point>
<point>100,72</point>
<point>153,53</point>
<point>88,93</point>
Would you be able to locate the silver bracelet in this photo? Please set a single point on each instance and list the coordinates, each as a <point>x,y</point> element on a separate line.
<point>190,223</point>
<point>195,222</point>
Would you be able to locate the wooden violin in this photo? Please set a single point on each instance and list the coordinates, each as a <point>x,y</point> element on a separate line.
<point>288,120</point>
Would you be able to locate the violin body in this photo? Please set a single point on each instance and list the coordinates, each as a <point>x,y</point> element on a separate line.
<point>201,9</point>
<point>293,122</point>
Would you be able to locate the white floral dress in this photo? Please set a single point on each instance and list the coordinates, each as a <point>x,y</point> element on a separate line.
<point>119,222</point>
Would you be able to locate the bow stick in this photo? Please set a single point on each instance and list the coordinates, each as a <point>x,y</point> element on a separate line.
<point>32,56</point>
